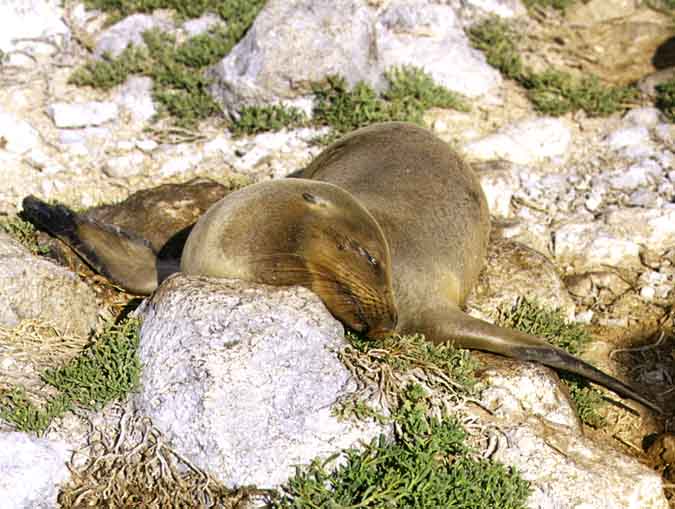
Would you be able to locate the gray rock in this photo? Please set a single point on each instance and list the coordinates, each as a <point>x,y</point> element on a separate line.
<point>35,288</point>
<point>124,166</point>
<point>543,440</point>
<point>22,22</point>
<point>31,470</point>
<point>18,135</point>
<point>646,117</point>
<point>82,114</point>
<point>654,228</point>
<point>637,175</point>
<point>509,272</point>
<point>587,245</point>
<point>115,39</point>
<point>428,36</point>
<point>499,184</point>
<point>242,377</point>
<point>628,137</point>
<point>525,142</point>
<point>135,95</point>
<point>502,8</point>
<point>193,27</point>
<point>283,53</point>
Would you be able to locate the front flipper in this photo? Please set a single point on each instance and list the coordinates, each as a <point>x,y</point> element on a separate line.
<point>455,326</point>
<point>123,257</point>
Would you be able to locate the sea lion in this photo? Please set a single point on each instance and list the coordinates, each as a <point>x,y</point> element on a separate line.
<point>407,268</point>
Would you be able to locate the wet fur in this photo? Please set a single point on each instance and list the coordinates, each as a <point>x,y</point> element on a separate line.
<point>433,213</point>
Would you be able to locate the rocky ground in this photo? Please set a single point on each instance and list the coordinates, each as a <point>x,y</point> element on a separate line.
<point>594,196</point>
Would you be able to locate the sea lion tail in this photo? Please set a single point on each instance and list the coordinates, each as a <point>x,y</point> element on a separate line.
<point>468,332</point>
<point>123,257</point>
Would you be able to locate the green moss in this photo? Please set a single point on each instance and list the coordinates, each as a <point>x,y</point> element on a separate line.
<point>427,465</point>
<point>106,371</point>
<point>551,325</point>
<point>552,92</point>
<point>665,99</point>
<point>24,232</point>
<point>256,119</point>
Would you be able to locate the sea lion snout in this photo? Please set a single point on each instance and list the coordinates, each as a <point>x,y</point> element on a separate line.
<point>384,324</point>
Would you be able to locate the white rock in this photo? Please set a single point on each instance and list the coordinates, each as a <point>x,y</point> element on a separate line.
<point>242,377</point>
<point>499,187</point>
<point>524,143</point>
<point>571,471</point>
<point>628,136</point>
<point>443,51</point>
<point>527,389</point>
<point>646,117</point>
<point>36,288</point>
<point>31,470</point>
<point>592,245</point>
<point>135,95</point>
<point>82,114</point>
<point>645,198</point>
<point>180,164</point>
<point>593,201</point>
<point>200,25</point>
<point>147,145</point>
<point>124,166</point>
<point>629,179</point>
<point>651,227</point>
<point>18,135</point>
<point>283,53</point>
<point>647,293</point>
<point>501,8</point>
<point>664,132</point>
<point>222,143</point>
<point>115,39</point>
<point>24,21</point>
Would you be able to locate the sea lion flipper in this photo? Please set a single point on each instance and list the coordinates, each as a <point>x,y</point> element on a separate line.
<point>121,256</point>
<point>467,332</point>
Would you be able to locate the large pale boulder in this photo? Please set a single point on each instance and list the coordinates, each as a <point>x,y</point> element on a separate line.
<point>242,377</point>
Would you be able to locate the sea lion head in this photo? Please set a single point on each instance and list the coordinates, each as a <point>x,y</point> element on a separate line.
<point>347,256</point>
<point>301,232</point>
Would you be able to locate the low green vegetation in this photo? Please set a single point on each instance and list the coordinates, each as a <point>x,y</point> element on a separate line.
<point>552,92</point>
<point>665,99</point>
<point>226,9</point>
<point>24,232</point>
<point>178,70</point>
<point>551,325</point>
<point>410,93</point>
<point>106,371</point>
<point>387,363</point>
<point>427,465</point>
<point>560,5</point>
<point>181,85</point>
<point>257,119</point>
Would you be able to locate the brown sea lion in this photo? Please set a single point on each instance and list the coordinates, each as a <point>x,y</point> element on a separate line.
<point>388,226</point>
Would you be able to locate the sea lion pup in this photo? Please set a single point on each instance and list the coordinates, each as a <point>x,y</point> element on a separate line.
<point>387,220</point>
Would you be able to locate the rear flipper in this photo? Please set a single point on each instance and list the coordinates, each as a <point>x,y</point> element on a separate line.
<point>123,257</point>
<point>468,332</point>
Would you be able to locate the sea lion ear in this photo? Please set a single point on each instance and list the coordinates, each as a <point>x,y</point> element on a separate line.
<point>315,200</point>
